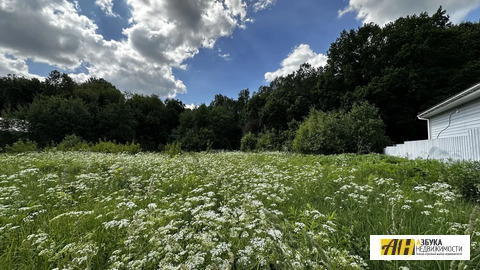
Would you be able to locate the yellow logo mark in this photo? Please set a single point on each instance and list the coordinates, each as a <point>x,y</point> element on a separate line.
<point>397,246</point>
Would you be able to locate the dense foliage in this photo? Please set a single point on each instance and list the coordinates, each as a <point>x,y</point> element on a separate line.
<point>401,69</point>
<point>83,210</point>
<point>93,110</point>
<point>359,130</point>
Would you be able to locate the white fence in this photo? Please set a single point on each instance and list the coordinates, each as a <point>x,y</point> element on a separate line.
<point>457,148</point>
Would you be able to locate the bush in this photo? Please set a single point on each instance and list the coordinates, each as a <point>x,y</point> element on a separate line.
<point>112,147</point>
<point>22,146</point>
<point>248,142</point>
<point>361,130</point>
<point>195,139</point>
<point>287,136</point>
<point>268,141</point>
<point>173,149</point>
<point>365,129</point>
<point>76,143</point>
<point>273,140</point>
<point>465,177</point>
<point>320,133</point>
<point>72,143</point>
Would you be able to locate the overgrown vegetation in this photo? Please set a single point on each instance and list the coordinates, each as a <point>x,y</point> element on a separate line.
<point>401,68</point>
<point>173,149</point>
<point>248,143</point>
<point>466,177</point>
<point>22,146</point>
<point>358,131</point>
<point>75,143</point>
<point>83,210</point>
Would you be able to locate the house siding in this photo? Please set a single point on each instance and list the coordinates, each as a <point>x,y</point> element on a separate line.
<point>467,118</point>
<point>455,148</point>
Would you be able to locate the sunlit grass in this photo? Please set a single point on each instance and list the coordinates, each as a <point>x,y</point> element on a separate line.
<point>79,210</point>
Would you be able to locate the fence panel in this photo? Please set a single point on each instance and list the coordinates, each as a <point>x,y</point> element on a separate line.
<point>456,148</point>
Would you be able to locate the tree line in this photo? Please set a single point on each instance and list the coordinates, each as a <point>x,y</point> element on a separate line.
<point>93,110</point>
<point>388,73</point>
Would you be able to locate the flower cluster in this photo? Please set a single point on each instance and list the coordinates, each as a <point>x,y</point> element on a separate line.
<point>82,210</point>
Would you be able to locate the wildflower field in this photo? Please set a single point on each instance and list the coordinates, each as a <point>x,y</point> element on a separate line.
<point>81,210</point>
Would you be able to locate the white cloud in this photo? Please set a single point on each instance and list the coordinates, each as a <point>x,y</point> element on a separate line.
<point>225,56</point>
<point>107,7</point>
<point>263,4</point>
<point>161,35</point>
<point>12,65</point>
<point>385,11</point>
<point>49,32</point>
<point>237,8</point>
<point>191,106</point>
<point>300,55</point>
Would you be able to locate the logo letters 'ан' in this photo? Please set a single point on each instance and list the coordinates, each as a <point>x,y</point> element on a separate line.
<point>398,246</point>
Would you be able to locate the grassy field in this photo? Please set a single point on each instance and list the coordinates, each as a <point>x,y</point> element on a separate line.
<point>83,210</point>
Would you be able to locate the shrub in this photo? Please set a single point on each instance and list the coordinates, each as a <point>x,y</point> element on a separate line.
<point>320,133</point>
<point>76,143</point>
<point>287,136</point>
<point>365,129</point>
<point>173,149</point>
<point>196,139</point>
<point>248,142</point>
<point>22,146</point>
<point>268,141</point>
<point>361,130</point>
<point>465,177</point>
<point>112,147</point>
<point>72,143</point>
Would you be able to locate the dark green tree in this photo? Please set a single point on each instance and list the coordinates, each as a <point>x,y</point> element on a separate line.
<point>365,130</point>
<point>50,119</point>
<point>58,83</point>
<point>18,91</point>
<point>98,93</point>
<point>194,131</point>
<point>116,122</point>
<point>174,108</point>
<point>151,118</point>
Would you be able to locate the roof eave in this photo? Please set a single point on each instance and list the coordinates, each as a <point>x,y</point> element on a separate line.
<point>468,95</point>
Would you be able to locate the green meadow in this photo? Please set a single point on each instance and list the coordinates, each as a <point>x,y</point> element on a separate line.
<point>226,210</point>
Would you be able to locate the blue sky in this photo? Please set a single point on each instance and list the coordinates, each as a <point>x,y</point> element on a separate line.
<point>188,49</point>
<point>262,46</point>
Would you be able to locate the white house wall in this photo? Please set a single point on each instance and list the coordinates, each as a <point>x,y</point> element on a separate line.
<point>467,118</point>
<point>456,148</point>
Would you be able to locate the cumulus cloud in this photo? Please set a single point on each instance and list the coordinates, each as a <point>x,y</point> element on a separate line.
<point>107,7</point>
<point>12,65</point>
<point>161,35</point>
<point>237,8</point>
<point>385,11</point>
<point>300,55</point>
<point>46,31</point>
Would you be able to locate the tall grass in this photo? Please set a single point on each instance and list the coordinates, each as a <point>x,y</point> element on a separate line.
<point>81,210</point>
